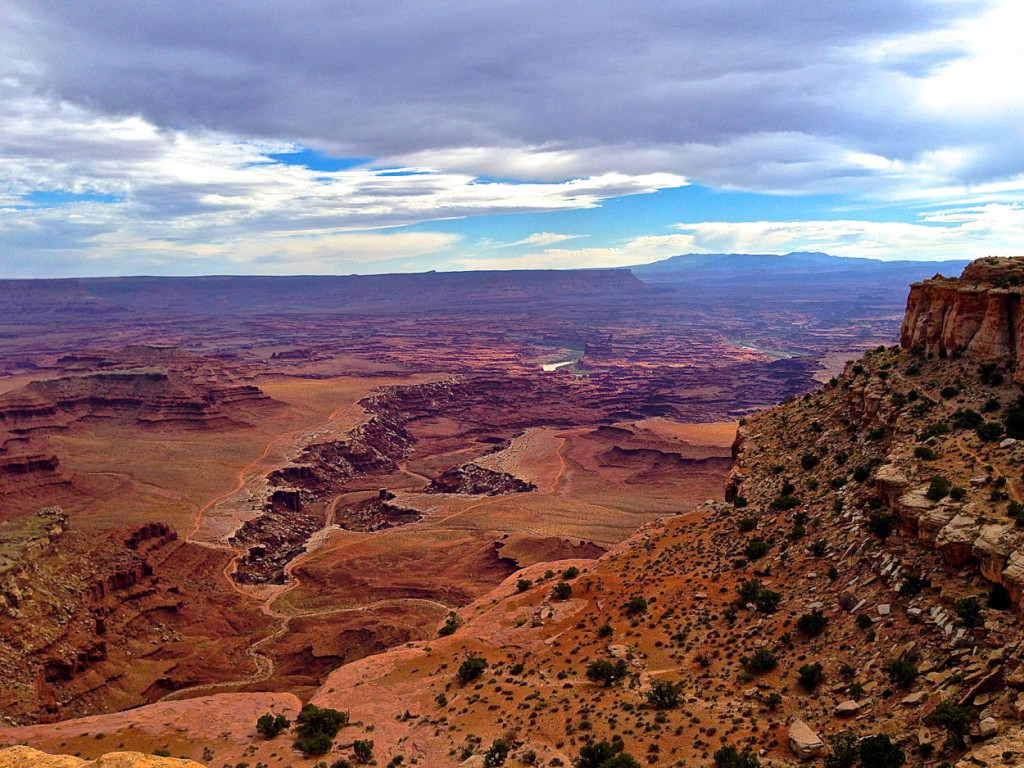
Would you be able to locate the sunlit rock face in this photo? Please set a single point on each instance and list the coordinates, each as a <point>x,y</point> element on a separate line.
<point>977,314</point>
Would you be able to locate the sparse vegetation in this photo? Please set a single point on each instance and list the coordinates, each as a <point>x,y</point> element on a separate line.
<point>316,727</point>
<point>471,669</point>
<point>270,725</point>
<point>810,676</point>
<point>606,672</point>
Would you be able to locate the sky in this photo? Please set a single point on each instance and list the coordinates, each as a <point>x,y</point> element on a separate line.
<point>348,136</point>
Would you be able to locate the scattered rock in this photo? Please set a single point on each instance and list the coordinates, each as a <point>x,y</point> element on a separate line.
<point>847,708</point>
<point>804,742</point>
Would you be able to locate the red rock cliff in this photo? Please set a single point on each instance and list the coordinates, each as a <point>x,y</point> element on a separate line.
<point>978,314</point>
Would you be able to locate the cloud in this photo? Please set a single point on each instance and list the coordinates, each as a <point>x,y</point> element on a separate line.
<point>204,195</point>
<point>638,250</point>
<point>779,95</point>
<point>539,238</point>
<point>967,233</point>
<point>995,229</point>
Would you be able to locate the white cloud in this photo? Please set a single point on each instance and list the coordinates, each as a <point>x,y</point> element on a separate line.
<point>539,238</point>
<point>215,197</point>
<point>639,250</point>
<point>994,229</point>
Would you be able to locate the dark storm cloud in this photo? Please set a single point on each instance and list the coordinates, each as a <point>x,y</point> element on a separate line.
<point>385,79</point>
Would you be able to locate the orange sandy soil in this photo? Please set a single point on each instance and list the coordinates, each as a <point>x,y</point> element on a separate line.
<point>171,475</point>
<point>355,593</point>
<point>456,552</point>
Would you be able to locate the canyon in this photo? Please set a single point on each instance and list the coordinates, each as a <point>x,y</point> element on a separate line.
<point>295,508</point>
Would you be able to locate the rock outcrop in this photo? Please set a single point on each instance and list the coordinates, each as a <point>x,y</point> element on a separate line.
<point>473,479</point>
<point>977,314</point>
<point>26,757</point>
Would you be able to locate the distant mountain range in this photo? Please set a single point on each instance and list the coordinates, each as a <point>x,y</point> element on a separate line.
<point>791,263</point>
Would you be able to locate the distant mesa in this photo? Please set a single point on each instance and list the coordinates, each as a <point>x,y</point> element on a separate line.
<point>232,295</point>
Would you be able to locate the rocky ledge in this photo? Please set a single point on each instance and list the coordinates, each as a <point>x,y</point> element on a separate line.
<point>977,314</point>
<point>25,757</point>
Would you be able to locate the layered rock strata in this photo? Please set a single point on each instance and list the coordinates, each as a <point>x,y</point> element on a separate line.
<point>977,314</point>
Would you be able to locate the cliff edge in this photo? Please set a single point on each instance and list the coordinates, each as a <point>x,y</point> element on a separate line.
<point>977,314</point>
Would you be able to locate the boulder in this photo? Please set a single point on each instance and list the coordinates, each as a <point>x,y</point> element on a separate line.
<point>992,549</point>
<point>804,742</point>
<point>891,483</point>
<point>932,521</point>
<point>847,708</point>
<point>955,541</point>
<point>1013,575</point>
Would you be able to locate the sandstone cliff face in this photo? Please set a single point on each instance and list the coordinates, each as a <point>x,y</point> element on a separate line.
<point>977,314</point>
<point>26,757</point>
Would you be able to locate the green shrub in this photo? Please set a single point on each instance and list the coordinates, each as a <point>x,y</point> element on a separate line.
<point>861,473</point>
<point>636,604</point>
<point>956,493</point>
<point>1013,419</point>
<point>452,623</point>
<point>606,672</point>
<point>756,548</point>
<point>316,727</point>
<point>925,453</point>
<point>812,623</point>
<point>270,725</point>
<point>878,751</point>
<point>969,611</point>
<point>933,430</point>
<point>749,590</point>
<point>782,503</point>
<point>818,547</point>
<point>880,524</point>
<point>991,405</point>
<point>844,750</point>
<point>948,392</point>
<point>523,584</point>
<point>902,674</point>
<point>496,754</point>
<point>810,676</point>
<point>664,694</point>
<point>761,661</point>
<point>989,431</point>
<point>730,757</point>
<point>748,524</point>
<point>471,669</point>
<point>767,601</point>
<point>597,754</point>
<point>809,461</point>
<point>837,482</point>
<point>571,572</point>
<point>362,750</point>
<point>956,720</point>
<point>965,418</point>
<point>912,584</point>
<point>739,502</point>
<point>562,591</point>
<point>938,488</point>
